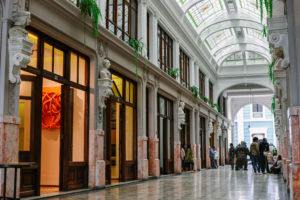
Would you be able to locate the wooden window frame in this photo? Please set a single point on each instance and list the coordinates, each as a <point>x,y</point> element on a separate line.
<point>201,84</point>
<point>114,20</point>
<point>165,58</point>
<point>211,91</point>
<point>184,66</point>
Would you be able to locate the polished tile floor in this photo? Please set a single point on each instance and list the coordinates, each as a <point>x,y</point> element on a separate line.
<point>215,184</point>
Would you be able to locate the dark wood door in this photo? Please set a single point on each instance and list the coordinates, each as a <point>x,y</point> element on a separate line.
<point>203,142</point>
<point>74,168</point>
<point>29,134</point>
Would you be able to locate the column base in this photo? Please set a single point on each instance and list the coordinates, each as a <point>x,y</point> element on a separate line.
<point>295,181</point>
<point>198,157</point>
<point>177,159</point>
<point>143,171</point>
<point>9,151</point>
<point>153,157</point>
<point>100,173</point>
<point>207,158</point>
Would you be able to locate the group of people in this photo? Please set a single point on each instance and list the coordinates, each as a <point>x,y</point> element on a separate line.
<point>214,157</point>
<point>187,158</point>
<point>259,152</point>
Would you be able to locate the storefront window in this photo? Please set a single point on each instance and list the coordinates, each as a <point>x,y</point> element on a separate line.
<point>33,58</point>
<point>79,101</point>
<point>129,133</point>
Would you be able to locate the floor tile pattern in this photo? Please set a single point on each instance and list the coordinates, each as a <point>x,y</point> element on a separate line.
<point>214,184</point>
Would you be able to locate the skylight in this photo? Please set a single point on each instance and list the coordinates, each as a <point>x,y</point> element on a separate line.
<point>253,9</point>
<point>203,10</point>
<point>255,33</point>
<point>234,59</point>
<point>218,37</point>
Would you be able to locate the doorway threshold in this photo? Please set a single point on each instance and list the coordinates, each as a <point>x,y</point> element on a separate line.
<point>57,194</point>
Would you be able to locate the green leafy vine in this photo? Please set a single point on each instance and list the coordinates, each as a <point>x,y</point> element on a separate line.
<point>137,46</point>
<point>90,8</point>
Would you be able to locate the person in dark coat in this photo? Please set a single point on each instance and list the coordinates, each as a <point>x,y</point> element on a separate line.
<point>231,155</point>
<point>241,152</point>
<point>264,150</point>
<point>212,157</point>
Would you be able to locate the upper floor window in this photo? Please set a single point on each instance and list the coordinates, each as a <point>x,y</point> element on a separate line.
<point>201,84</point>
<point>121,18</point>
<point>148,35</point>
<point>257,111</point>
<point>184,63</point>
<point>165,50</point>
<point>211,91</point>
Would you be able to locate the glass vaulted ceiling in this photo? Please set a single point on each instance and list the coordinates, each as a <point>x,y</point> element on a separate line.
<point>232,31</point>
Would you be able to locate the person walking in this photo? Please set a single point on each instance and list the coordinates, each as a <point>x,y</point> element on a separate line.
<point>254,152</point>
<point>216,158</point>
<point>212,157</point>
<point>241,156</point>
<point>264,150</point>
<point>182,156</point>
<point>189,158</point>
<point>231,155</point>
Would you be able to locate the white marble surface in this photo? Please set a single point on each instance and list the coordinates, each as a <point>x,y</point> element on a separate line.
<point>215,184</point>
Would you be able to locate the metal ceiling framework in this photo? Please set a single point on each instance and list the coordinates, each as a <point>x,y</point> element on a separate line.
<point>227,27</point>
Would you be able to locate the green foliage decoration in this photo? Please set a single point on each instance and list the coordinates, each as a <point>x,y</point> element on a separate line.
<point>271,72</point>
<point>90,8</point>
<point>137,46</point>
<point>173,72</point>
<point>195,91</point>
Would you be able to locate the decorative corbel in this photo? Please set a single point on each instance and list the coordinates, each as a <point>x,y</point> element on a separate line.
<point>104,84</point>
<point>181,114</point>
<point>19,47</point>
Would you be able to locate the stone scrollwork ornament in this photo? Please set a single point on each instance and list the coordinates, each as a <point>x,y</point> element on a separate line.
<point>19,46</point>
<point>104,83</point>
<point>181,115</point>
<point>210,126</point>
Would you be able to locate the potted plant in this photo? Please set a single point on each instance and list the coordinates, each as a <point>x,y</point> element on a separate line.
<point>195,91</point>
<point>205,99</point>
<point>173,73</point>
<point>217,107</point>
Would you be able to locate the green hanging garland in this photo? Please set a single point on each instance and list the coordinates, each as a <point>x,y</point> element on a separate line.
<point>137,46</point>
<point>90,8</point>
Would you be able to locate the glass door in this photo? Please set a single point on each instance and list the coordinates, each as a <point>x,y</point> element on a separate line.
<point>28,135</point>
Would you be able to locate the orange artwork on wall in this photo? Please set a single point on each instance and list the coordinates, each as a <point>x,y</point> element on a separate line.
<point>51,107</point>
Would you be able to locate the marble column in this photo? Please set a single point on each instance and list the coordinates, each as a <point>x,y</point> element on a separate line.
<point>193,136</point>
<point>176,54</point>
<point>177,143</point>
<point>192,72</point>
<point>154,169</point>
<point>142,160</point>
<point>294,173</point>
<point>142,23</point>
<point>207,143</point>
<point>153,39</point>
<point>197,136</point>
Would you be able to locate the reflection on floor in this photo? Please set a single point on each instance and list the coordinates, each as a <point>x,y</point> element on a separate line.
<point>215,184</point>
<point>49,189</point>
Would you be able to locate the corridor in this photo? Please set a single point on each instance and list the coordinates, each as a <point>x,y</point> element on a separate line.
<point>214,184</point>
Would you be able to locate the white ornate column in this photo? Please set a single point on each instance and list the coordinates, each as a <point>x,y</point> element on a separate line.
<point>176,53</point>
<point>96,137</point>
<point>192,72</point>
<point>18,55</point>
<point>154,169</point>
<point>179,116</point>
<point>142,24</point>
<point>153,39</point>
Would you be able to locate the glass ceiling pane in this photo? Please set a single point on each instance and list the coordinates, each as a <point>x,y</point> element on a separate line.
<point>250,7</point>
<point>255,33</point>
<point>254,58</point>
<point>204,10</point>
<point>218,37</point>
<point>234,59</point>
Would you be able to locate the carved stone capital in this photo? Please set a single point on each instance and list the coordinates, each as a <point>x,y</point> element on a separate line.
<point>104,84</point>
<point>181,114</point>
<point>19,47</point>
<point>102,48</point>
